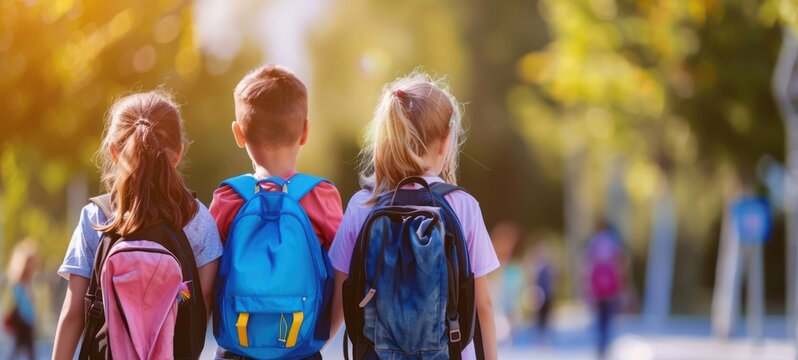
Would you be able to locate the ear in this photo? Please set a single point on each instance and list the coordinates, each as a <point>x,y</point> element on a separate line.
<point>304,138</point>
<point>178,156</point>
<point>444,145</point>
<point>238,134</point>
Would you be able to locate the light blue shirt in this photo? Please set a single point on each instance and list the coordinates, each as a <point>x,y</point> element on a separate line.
<point>24,304</point>
<point>201,232</point>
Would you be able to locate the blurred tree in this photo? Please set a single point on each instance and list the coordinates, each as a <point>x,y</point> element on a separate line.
<point>359,48</point>
<point>64,63</point>
<point>364,45</point>
<point>669,89</point>
<point>497,167</point>
<point>604,103</point>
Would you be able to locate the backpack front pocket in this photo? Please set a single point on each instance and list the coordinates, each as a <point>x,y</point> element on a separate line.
<point>277,322</point>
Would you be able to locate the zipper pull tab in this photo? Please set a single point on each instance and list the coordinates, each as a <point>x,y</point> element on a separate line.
<point>367,298</point>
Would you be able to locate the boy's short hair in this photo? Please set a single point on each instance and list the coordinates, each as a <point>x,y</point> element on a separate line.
<point>271,106</point>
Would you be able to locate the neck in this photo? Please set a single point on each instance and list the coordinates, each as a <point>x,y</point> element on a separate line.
<point>435,170</point>
<point>433,163</point>
<point>274,162</point>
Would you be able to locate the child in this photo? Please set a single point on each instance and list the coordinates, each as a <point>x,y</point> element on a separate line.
<point>271,124</point>
<point>416,131</point>
<point>143,146</point>
<point>604,260</point>
<point>22,319</point>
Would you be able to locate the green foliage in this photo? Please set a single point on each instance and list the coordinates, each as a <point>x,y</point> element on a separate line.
<point>64,63</point>
<point>15,188</point>
<point>784,12</point>
<point>20,217</point>
<point>670,89</point>
<point>654,93</point>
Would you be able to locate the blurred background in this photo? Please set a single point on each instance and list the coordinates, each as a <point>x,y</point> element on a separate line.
<point>646,122</point>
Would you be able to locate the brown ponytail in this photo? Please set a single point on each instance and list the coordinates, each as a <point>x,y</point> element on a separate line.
<point>143,142</point>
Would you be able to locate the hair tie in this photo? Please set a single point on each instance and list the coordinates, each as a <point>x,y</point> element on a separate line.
<point>142,121</point>
<point>399,93</point>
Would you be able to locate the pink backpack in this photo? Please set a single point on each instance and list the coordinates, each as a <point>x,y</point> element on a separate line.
<point>141,283</point>
<point>131,304</point>
<point>605,274</point>
<point>605,282</point>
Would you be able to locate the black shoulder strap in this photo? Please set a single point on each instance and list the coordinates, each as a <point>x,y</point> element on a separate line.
<point>94,307</point>
<point>104,203</point>
<point>107,240</point>
<point>95,317</point>
<point>441,190</point>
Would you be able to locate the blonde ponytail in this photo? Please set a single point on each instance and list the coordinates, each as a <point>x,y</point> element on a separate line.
<point>413,113</point>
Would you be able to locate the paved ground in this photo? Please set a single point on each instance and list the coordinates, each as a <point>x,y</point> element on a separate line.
<point>678,339</point>
<point>632,347</point>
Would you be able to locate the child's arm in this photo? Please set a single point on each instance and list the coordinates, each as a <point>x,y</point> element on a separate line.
<point>70,324</point>
<point>486,322</point>
<point>337,305</point>
<point>207,274</point>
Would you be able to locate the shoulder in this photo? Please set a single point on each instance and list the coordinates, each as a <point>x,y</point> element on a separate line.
<point>461,198</point>
<point>326,185</point>
<point>326,189</point>
<point>465,206</point>
<point>203,236</point>
<point>91,215</point>
<point>225,202</point>
<point>359,200</point>
<point>225,192</point>
<point>201,223</point>
<point>358,207</point>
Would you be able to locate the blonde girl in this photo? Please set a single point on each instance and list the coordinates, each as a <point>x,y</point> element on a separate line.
<point>139,157</point>
<point>416,131</point>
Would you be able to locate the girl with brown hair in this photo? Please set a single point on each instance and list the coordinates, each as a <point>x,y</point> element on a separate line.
<point>139,157</point>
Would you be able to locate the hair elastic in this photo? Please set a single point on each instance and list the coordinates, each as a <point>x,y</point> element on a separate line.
<point>399,93</point>
<point>142,121</point>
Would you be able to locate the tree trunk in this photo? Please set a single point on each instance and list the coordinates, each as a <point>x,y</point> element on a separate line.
<point>578,216</point>
<point>659,272</point>
<point>725,297</point>
<point>784,93</point>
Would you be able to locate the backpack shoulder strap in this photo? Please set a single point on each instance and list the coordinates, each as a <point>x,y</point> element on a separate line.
<point>104,203</point>
<point>442,189</point>
<point>93,300</point>
<point>301,184</point>
<point>243,185</point>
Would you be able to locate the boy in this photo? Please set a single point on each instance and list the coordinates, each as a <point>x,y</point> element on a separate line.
<point>271,123</point>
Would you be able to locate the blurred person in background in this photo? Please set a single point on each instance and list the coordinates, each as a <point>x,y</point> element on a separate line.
<point>543,277</point>
<point>604,267</point>
<point>507,282</point>
<point>21,320</point>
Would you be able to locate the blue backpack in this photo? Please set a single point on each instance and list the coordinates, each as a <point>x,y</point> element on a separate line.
<point>274,287</point>
<point>410,290</point>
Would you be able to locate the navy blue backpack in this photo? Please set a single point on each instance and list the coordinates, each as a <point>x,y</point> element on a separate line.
<point>410,290</point>
<point>274,286</point>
